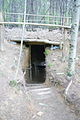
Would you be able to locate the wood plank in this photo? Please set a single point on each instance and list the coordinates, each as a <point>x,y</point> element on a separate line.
<point>37,24</point>
<point>45,41</point>
<point>37,15</point>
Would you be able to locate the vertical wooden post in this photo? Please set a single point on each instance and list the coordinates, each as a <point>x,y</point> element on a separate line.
<point>30,63</point>
<point>22,39</point>
<point>26,64</point>
<point>65,46</point>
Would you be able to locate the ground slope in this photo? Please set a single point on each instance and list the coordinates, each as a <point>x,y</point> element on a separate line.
<point>36,102</point>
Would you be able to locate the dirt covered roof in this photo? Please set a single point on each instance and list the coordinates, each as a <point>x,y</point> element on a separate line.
<point>16,33</point>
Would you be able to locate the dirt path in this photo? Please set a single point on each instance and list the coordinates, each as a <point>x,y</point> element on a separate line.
<point>38,102</point>
<point>48,104</point>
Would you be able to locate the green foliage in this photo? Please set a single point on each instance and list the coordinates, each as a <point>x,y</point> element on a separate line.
<point>47,52</point>
<point>50,64</point>
<point>69,74</point>
<point>13,83</point>
<point>39,7</point>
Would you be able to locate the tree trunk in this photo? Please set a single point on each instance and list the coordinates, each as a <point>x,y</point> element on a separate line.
<point>74,36</point>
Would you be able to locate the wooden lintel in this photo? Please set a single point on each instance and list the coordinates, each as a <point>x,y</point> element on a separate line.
<point>38,41</point>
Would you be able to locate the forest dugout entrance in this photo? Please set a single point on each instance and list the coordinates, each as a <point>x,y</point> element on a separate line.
<point>34,64</point>
<point>34,60</point>
<point>38,63</point>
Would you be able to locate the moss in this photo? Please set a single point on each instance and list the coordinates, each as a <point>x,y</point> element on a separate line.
<point>47,52</point>
<point>50,64</point>
<point>69,74</point>
<point>13,83</point>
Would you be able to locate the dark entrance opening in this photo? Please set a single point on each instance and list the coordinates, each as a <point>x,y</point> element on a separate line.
<point>38,63</point>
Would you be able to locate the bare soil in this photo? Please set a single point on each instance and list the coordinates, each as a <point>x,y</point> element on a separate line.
<point>16,33</point>
<point>33,102</point>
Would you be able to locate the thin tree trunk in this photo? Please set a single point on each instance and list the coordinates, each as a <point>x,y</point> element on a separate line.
<point>74,36</point>
<point>22,39</point>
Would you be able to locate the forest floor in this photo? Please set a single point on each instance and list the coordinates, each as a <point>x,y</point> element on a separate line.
<point>34,102</point>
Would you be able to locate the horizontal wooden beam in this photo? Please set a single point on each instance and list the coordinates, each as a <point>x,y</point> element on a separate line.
<point>46,41</point>
<point>36,24</point>
<point>37,15</point>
